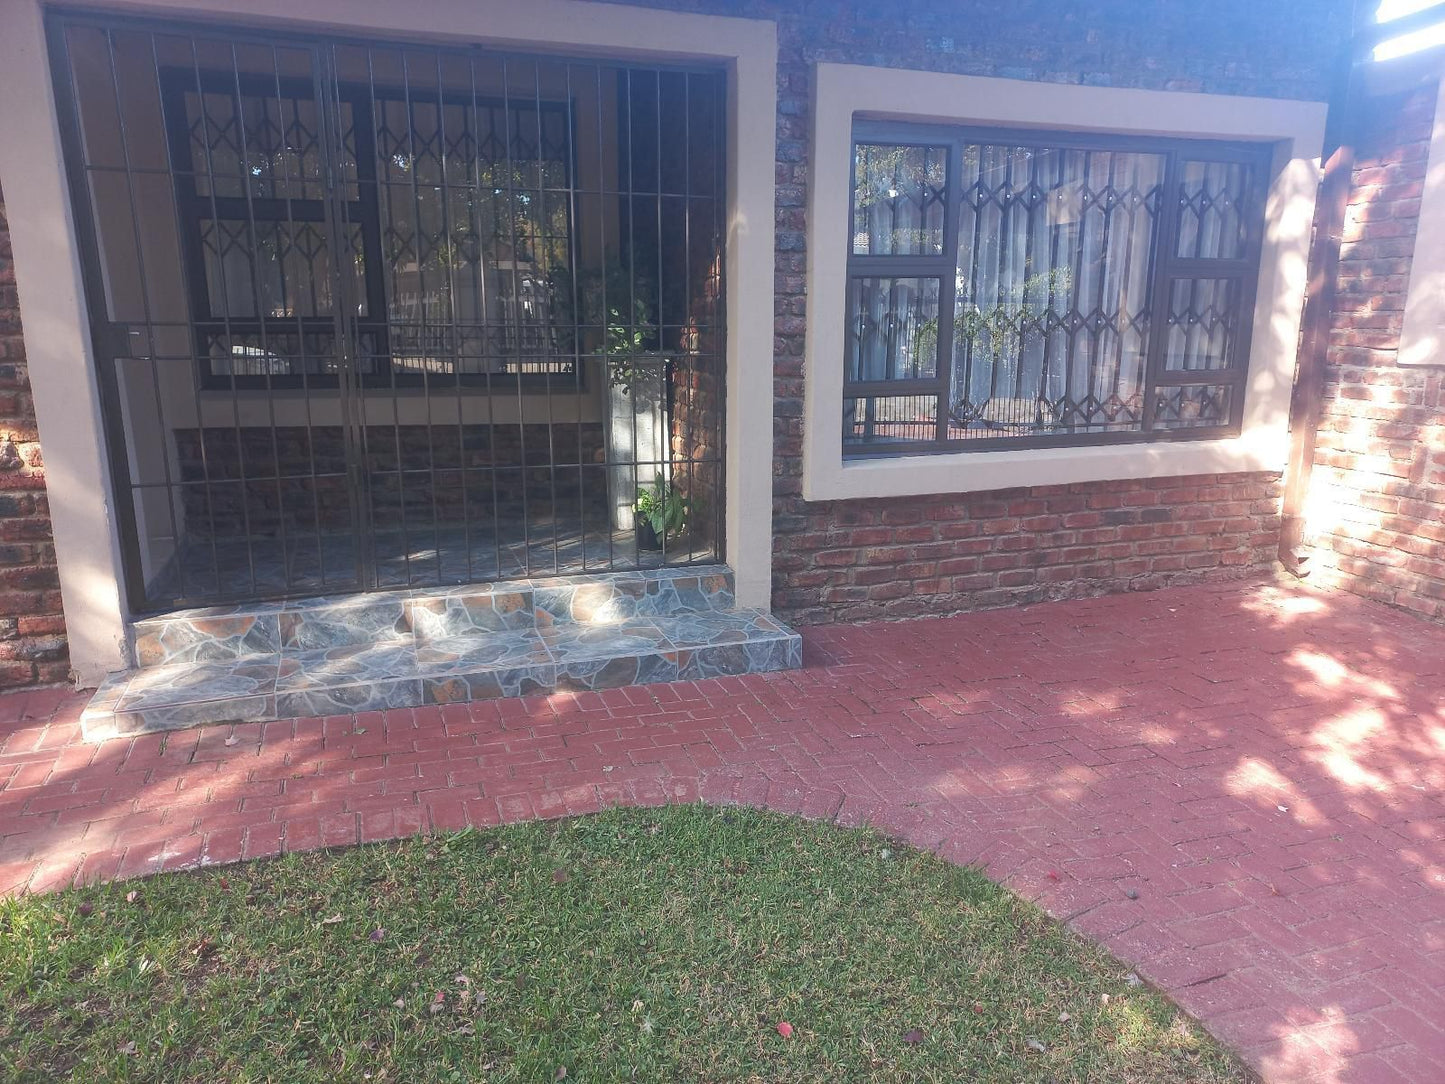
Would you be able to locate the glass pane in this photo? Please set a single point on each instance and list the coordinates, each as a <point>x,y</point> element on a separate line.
<point>891,419</point>
<point>272,151</point>
<point>1192,407</point>
<point>705,119</point>
<point>505,145</point>
<point>477,230</point>
<point>898,197</point>
<point>1212,223</point>
<point>1051,318</point>
<point>273,270</point>
<point>1203,321</point>
<point>281,351</point>
<point>892,329</point>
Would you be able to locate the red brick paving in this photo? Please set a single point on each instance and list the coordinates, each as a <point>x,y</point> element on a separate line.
<point>1238,789</point>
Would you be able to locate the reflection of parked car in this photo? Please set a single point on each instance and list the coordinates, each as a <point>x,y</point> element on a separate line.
<point>251,361</point>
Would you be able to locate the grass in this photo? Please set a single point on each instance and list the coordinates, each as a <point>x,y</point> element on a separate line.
<point>657,945</point>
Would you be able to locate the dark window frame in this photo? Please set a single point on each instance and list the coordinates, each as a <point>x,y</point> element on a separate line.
<point>1165,267</point>
<point>193,209</point>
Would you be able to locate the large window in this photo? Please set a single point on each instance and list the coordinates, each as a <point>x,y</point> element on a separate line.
<point>455,228</point>
<point>1010,289</point>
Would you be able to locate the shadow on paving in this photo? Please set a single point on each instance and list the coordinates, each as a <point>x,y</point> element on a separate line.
<point>1236,788</point>
<point>1239,789</point>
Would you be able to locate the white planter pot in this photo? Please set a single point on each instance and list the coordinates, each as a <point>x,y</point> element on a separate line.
<point>636,434</point>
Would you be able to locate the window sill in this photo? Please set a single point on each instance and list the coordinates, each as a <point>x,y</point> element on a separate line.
<point>973,472</point>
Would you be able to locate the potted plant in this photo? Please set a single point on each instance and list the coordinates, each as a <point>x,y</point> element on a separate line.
<point>635,396</point>
<point>661,514</point>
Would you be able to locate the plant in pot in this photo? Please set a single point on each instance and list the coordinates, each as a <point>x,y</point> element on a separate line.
<point>635,396</point>
<point>662,514</point>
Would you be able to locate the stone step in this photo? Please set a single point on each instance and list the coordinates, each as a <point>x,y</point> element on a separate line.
<point>572,654</point>
<point>227,633</point>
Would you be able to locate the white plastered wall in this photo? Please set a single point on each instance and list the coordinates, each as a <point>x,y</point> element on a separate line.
<point>1422,337</point>
<point>841,91</point>
<point>56,320</point>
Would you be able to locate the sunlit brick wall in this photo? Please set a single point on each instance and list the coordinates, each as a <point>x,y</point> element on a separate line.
<point>1376,509</point>
<point>32,631</point>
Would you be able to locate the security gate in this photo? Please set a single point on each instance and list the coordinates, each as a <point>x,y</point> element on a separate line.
<point>378,315</point>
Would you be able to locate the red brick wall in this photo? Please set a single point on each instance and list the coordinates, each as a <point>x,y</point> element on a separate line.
<point>858,560</point>
<point>1376,509</point>
<point>32,631</point>
<point>852,560</point>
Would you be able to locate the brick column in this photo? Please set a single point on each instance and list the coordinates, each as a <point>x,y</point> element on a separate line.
<point>32,629</point>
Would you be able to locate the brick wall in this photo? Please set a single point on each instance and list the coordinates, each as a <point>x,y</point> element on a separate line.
<point>32,630</point>
<point>849,560</point>
<point>858,560</point>
<point>1376,508</point>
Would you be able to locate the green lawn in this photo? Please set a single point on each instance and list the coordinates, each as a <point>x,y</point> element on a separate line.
<point>663,945</point>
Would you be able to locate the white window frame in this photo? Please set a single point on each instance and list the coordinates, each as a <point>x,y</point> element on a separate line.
<point>844,91</point>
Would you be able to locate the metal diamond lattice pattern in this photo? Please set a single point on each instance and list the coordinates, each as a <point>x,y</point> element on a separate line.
<point>899,199</point>
<point>1203,319</point>
<point>260,145</point>
<point>1192,406</point>
<point>1211,198</point>
<point>1052,310</point>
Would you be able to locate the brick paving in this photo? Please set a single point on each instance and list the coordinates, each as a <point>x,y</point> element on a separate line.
<point>1238,789</point>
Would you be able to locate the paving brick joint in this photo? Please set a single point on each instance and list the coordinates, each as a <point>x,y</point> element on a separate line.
<point>1237,789</point>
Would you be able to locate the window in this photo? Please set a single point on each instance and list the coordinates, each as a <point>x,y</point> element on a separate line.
<point>454,219</point>
<point>1015,289</point>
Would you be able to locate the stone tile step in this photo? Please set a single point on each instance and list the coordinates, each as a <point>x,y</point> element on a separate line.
<point>224,633</point>
<point>479,665</point>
